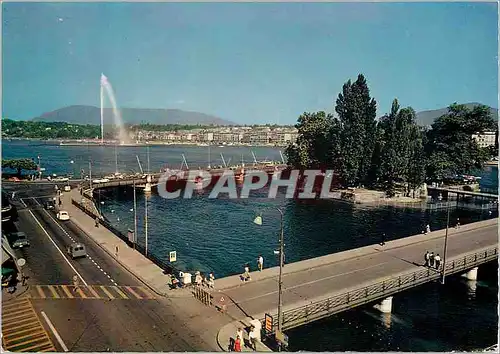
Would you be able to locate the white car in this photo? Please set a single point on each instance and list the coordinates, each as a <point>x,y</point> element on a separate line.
<point>67,188</point>
<point>63,215</point>
<point>100,180</point>
<point>60,179</point>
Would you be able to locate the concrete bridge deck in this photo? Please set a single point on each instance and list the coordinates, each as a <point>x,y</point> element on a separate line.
<point>311,281</point>
<point>462,192</point>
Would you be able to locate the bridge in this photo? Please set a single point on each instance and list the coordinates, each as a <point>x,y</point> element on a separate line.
<point>463,193</point>
<point>323,286</point>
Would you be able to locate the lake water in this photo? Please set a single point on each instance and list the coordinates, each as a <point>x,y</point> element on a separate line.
<point>218,235</point>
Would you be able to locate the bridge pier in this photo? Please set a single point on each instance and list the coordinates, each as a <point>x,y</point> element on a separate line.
<point>471,274</point>
<point>385,305</point>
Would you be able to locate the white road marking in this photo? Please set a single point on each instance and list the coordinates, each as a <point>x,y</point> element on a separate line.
<point>22,201</point>
<point>54,331</point>
<point>57,247</point>
<point>67,234</point>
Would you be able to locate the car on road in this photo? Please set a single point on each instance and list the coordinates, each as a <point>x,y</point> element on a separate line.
<point>67,188</point>
<point>49,204</point>
<point>76,250</point>
<point>60,179</point>
<point>19,239</point>
<point>100,180</point>
<point>63,215</point>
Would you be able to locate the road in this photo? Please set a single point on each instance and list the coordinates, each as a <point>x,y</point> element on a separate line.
<point>115,312</point>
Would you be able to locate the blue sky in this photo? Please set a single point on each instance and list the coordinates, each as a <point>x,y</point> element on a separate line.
<point>247,62</point>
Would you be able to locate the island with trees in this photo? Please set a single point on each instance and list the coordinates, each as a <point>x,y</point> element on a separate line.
<point>392,154</point>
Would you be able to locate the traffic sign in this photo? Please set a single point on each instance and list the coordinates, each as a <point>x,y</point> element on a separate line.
<point>173,256</point>
<point>268,323</point>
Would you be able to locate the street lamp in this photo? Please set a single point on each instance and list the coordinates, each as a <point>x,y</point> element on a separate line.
<point>443,273</point>
<point>258,221</point>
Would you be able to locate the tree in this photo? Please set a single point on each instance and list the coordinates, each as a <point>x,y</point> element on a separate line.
<point>19,165</point>
<point>356,121</point>
<point>312,147</point>
<point>450,148</point>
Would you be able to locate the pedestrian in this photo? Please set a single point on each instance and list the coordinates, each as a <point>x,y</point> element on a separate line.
<point>237,344</point>
<point>239,333</point>
<point>13,195</point>
<point>253,338</point>
<point>260,263</point>
<point>427,258</point>
<point>437,259</point>
<point>458,223</point>
<point>116,251</point>
<point>383,240</point>
<point>427,229</point>
<point>211,281</point>
<point>60,202</point>
<point>431,259</point>
<point>76,282</point>
<point>96,221</point>
<point>246,274</point>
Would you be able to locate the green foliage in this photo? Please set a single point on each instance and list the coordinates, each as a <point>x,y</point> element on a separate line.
<point>450,148</point>
<point>357,130</point>
<point>312,148</point>
<point>19,165</point>
<point>53,130</point>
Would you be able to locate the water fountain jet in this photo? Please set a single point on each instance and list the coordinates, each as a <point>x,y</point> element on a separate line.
<point>122,133</point>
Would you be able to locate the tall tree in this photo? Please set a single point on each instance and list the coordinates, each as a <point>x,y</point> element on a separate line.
<point>368,113</point>
<point>356,120</point>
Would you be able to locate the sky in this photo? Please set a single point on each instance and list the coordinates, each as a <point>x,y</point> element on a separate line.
<point>250,63</point>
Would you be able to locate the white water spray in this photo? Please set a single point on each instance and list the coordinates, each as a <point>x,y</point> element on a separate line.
<point>117,117</point>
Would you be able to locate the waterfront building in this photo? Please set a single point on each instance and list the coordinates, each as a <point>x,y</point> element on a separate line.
<point>485,139</point>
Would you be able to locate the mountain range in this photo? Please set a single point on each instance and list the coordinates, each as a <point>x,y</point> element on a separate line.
<point>91,115</point>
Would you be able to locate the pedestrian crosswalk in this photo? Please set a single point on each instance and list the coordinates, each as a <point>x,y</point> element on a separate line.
<point>91,292</point>
<point>22,330</point>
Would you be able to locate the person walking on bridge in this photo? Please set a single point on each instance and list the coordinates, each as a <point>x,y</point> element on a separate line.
<point>260,263</point>
<point>97,221</point>
<point>427,258</point>
<point>457,226</point>
<point>431,259</point>
<point>427,229</point>
<point>437,259</point>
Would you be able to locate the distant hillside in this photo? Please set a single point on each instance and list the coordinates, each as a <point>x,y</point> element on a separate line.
<point>428,117</point>
<point>92,115</point>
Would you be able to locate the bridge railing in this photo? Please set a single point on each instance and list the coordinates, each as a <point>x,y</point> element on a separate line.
<point>329,306</point>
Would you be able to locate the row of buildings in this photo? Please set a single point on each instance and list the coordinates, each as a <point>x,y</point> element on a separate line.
<point>486,139</point>
<point>279,136</point>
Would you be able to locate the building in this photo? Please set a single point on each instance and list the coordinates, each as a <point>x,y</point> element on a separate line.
<point>485,139</point>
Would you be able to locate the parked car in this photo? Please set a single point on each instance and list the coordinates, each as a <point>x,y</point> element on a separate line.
<point>63,215</point>
<point>67,188</point>
<point>77,250</point>
<point>9,211</point>
<point>19,240</point>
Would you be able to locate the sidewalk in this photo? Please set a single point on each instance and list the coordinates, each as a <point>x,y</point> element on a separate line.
<point>229,331</point>
<point>144,269</point>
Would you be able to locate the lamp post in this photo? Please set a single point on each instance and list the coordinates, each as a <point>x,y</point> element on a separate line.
<point>135,216</point>
<point>146,223</point>
<point>443,273</point>
<point>258,221</point>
